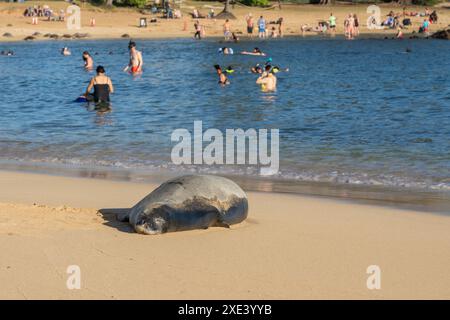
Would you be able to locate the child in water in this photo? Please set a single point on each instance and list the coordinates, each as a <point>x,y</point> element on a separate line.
<point>65,51</point>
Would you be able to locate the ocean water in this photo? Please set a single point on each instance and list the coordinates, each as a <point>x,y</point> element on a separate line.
<point>356,113</point>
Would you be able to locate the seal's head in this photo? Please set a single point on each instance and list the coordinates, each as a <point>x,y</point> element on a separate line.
<point>153,221</point>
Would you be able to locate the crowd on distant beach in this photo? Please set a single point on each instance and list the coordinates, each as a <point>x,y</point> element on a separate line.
<point>275,29</point>
<point>44,11</point>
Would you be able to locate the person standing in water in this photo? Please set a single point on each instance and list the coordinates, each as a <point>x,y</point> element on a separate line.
<point>136,60</point>
<point>102,86</point>
<point>267,80</point>
<point>223,80</point>
<point>88,61</point>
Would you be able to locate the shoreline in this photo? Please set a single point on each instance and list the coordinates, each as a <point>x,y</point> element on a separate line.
<point>49,223</point>
<point>362,37</point>
<point>430,201</point>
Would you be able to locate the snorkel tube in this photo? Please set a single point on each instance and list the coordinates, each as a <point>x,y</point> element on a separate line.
<point>229,70</point>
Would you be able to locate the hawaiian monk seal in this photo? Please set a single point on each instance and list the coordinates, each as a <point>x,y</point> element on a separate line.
<point>189,202</point>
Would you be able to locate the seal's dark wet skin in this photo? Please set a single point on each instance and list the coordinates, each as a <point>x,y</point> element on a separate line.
<point>188,203</point>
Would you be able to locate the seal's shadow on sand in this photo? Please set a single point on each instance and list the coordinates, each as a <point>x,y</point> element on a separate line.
<point>110,216</point>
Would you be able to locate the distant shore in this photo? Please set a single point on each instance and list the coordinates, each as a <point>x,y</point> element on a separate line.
<point>115,23</point>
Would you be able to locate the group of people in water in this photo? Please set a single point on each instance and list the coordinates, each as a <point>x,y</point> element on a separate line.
<point>266,73</point>
<point>266,76</point>
<point>255,52</point>
<point>101,84</point>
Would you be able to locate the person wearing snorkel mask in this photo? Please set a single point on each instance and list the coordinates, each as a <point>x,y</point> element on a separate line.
<point>229,70</point>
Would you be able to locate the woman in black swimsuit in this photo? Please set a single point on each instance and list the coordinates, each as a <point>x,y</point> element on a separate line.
<point>102,86</point>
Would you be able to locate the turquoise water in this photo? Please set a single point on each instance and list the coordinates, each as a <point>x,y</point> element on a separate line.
<point>359,113</point>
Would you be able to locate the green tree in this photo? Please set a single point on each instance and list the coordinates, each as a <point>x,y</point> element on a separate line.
<point>256,3</point>
<point>426,2</point>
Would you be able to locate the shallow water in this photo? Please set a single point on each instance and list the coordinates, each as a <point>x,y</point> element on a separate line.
<point>349,112</point>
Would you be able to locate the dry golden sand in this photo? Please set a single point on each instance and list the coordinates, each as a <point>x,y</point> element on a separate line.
<point>116,22</point>
<point>290,247</point>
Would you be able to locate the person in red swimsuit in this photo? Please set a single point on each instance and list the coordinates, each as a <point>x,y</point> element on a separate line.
<point>136,62</point>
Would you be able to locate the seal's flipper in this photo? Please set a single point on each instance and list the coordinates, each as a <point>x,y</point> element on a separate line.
<point>222,224</point>
<point>123,216</point>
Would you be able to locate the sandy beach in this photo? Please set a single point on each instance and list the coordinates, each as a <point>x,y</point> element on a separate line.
<point>290,247</point>
<point>338,129</point>
<point>113,23</point>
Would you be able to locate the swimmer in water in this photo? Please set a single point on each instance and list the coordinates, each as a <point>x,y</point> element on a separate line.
<point>65,51</point>
<point>277,69</point>
<point>7,53</point>
<point>136,60</point>
<point>223,80</point>
<point>102,86</point>
<point>226,50</point>
<point>257,69</point>
<point>88,61</point>
<point>267,80</point>
<point>229,70</point>
<point>255,52</point>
